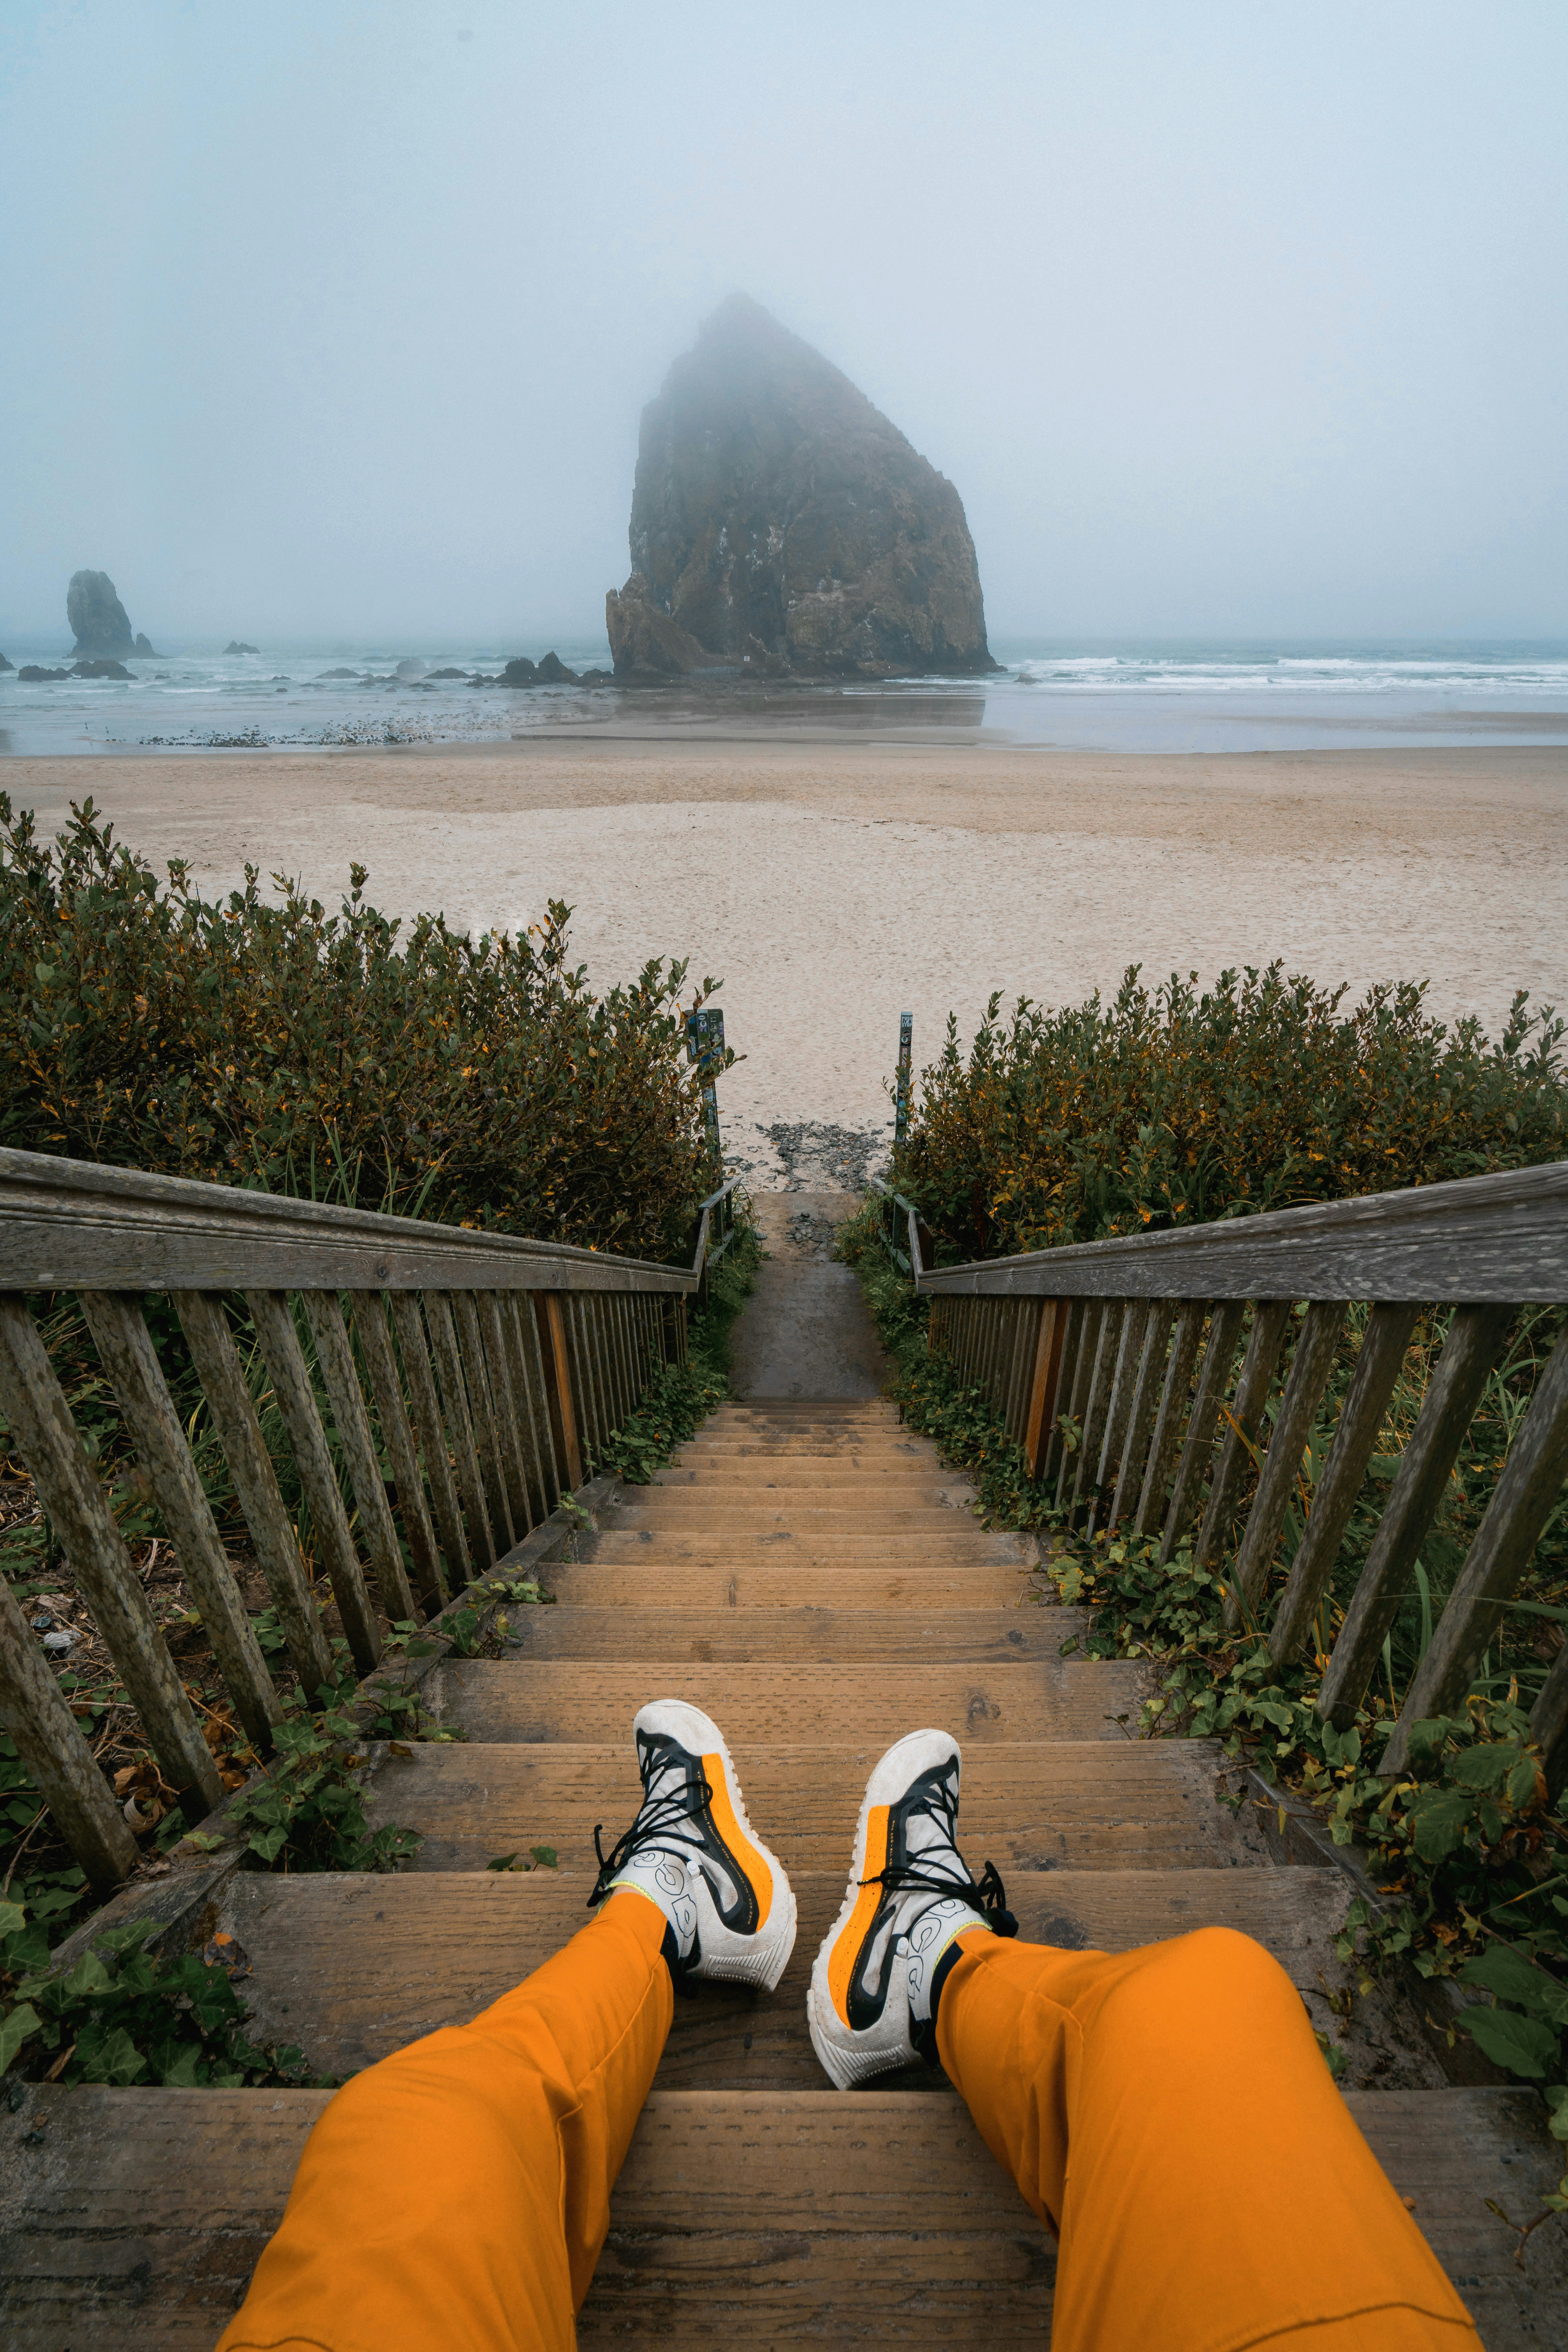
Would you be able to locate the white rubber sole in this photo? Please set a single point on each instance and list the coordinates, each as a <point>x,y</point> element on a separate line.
<point>849,2058</point>
<point>726,1957</point>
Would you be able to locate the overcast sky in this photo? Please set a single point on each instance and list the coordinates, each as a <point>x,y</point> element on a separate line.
<point>335,320</point>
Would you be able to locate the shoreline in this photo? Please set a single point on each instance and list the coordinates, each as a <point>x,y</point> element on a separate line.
<point>835,883</point>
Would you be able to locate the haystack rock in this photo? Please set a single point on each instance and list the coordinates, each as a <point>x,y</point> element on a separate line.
<point>99,620</point>
<point>781,526</point>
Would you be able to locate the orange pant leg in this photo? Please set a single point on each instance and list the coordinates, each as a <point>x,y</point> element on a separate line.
<point>455,2198</point>
<point>1169,2114</point>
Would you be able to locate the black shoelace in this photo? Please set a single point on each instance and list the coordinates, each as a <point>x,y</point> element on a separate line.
<point>657,1817</point>
<point>986,1893</point>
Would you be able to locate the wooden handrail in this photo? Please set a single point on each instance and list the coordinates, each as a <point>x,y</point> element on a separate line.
<point>68,1223</point>
<point>1480,1237</point>
<point>1118,1368</point>
<point>489,1372</point>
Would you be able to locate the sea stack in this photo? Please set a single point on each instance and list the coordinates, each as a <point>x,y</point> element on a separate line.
<point>100,621</point>
<point>782,526</point>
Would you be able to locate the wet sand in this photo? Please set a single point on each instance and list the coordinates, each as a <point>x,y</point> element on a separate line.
<point>832,884</point>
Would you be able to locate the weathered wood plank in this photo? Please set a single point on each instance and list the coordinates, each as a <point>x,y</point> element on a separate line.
<point>1152,1357</point>
<point>1382,1352</point>
<point>1503,1236</point>
<point>50,1744</point>
<point>557,1365</point>
<point>576,1700</point>
<point>1317,1345</point>
<point>51,1444</point>
<point>494,1331</point>
<point>1105,1346</point>
<point>1092,1805</point>
<point>125,1350</point>
<point>135,2218</point>
<point>229,1400</point>
<point>334,1353</point>
<point>481,1542</point>
<point>1123,1384</point>
<point>397,1434</point>
<point>1170,1420</point>
<point>351,1968</point>
<point>1244,1419</point>
<point>1198,1449</point>
<point>1475,1337</point>
<point>482,1419</point>
<point>279,1344</point>
<point>425,1414</point>
<point>66,1224</point>
<point>1522,1500</point>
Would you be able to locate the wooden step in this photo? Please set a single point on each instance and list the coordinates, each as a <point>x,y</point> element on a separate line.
<point>919,1482</point>
<point>698,1513</point>
<point>635,1581</point>
<point>968,1541</point>
<point>676,1629</point>
<point>890,1452</point>
<point>1094,1804</point>
<point>797,1702</point>
<point>133,2218</point>
<point>351,1968</point>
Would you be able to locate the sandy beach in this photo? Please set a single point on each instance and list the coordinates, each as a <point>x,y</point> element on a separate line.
<point>833,884</point>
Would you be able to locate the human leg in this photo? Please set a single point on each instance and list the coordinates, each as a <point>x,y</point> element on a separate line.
<point>456,2197</point>
<point>1167,2111</point>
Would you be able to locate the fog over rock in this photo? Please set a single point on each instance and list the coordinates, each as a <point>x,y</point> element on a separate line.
<point>781,525</point>
<point>99,620</point>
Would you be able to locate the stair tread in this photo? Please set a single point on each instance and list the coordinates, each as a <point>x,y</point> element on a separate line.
<point>623,1580</point>
<point>135,2216</point>
<point>794,1700</point>
<point>352,1968</point>
<point>960,1540</point>
<point>1098,1804</point>
<point>925,1631</point>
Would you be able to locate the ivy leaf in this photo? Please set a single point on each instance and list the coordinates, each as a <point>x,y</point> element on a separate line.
<point>1505,1971</point>
<point>12,1916</point>
<point>1487,1767</point>
<point>20,2026</point>
<point>1438,1822</point>
<point>109,2057</point>
<point>1522,2045</point>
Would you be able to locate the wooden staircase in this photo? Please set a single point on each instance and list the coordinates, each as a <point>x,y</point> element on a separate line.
<point>813,1577</point>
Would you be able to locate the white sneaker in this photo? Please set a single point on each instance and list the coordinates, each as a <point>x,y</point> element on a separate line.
<point>873,1982</point>
<point>691,1849</point>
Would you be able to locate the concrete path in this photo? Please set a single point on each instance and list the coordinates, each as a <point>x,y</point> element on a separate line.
<point>806,1330</point>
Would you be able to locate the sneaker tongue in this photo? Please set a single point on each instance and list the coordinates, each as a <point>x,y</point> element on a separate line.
<point>926,1839</point>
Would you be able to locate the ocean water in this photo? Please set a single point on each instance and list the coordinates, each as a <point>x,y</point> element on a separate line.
<point>1230,696</point>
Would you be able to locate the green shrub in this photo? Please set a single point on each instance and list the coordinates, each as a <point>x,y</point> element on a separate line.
<point>479,1082</point>
<point>1172,1107</point>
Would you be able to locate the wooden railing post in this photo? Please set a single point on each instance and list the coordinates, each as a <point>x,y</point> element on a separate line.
<point>1050,1333</point>
<point>558,1387</point>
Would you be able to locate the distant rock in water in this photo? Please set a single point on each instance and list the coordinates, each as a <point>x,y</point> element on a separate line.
<point>520,671</point>
<point>339,673</point>
<point>780,525</point>
<point>100,621</point>
<point>237,645</point>
<point>31,675</point>
<point>142,651</point>
<point>448,673</point>
<point>4,664</point>
<point>99,669</point>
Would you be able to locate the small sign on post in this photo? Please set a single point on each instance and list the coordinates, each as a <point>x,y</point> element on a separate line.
<point>906,1058</point>
<point>705,1050</point>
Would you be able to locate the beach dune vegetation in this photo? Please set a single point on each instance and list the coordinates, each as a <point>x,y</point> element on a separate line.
<point>348,1056</point>
<point>1171,1105</point>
